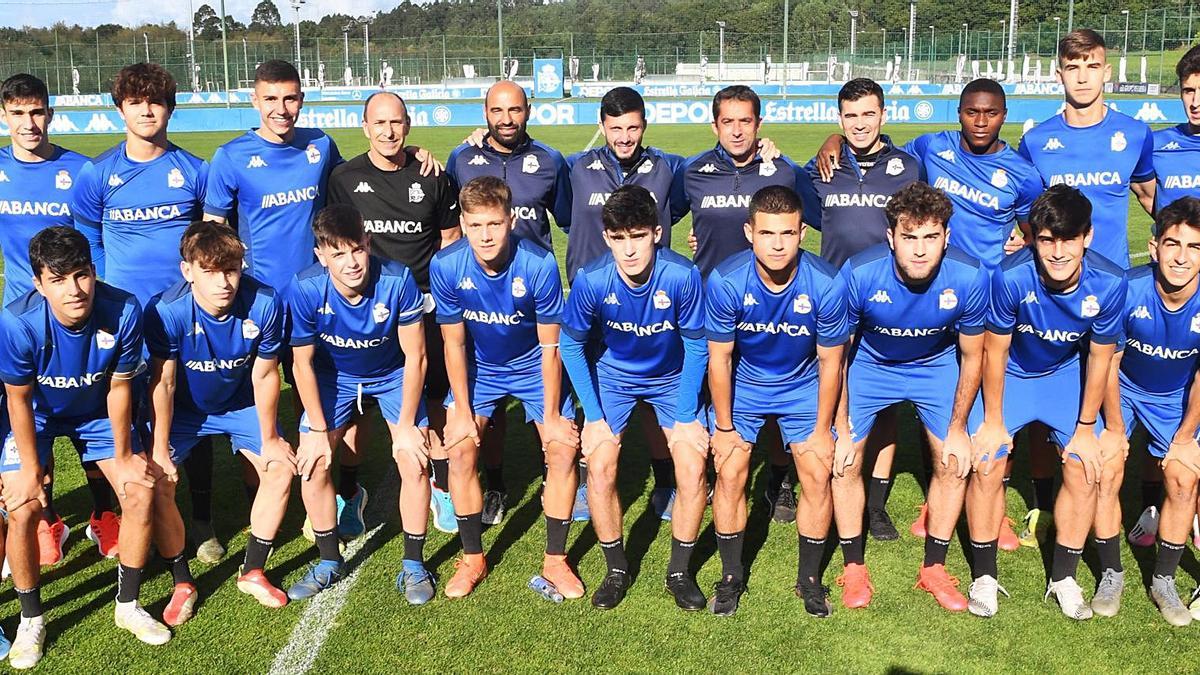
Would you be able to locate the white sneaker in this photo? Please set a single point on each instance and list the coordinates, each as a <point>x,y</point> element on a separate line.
<point>982,598</point>
<point>131,617</point>
<point>27,645</point>
<point>1146,528</point>
<point>1069,596</point>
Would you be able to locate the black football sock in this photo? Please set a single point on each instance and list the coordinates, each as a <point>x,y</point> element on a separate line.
<point>1066,561</point>
<point>470,532</point>
<point>495,477</point>
<point>681,556</point>
<point>327,544</point>
<point>180,572</point>
<point>1167,561</point>
<point>983,559</point>
<point>1043,493</point>
<point>1109,553</point>
<point>614,555</point>
<point>414,547</point>
<point>441,474</point>
<point>257,551</point>
<point>129,583</point>
<point>556,535</point>
<point>935,550</point>
<point>664,473</point>
<point>730,547</point>
<point>199,469</point>
<point>852,550</point>
<point>31,601</point>
<point>347,482</point>
<point>877,493</point>
<point>1152,494</point>
<point>809,567</point>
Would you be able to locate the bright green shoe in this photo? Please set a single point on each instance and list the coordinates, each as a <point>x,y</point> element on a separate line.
<point>1036,528</point>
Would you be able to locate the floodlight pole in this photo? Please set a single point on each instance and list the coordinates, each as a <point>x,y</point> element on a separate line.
<point>912,30</point>
<point>225,52</point>
<point>296,7</point>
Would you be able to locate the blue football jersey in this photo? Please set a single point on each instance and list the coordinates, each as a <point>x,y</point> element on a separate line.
<point>140,210</point>
<point>359,341</point>
<point>215,357</point>
<point>640,330</point>
<point>276,189</point>
<point>536,173</point>
<point>990,193</point>
<point>1101,161</point>
<point>1176,165</point>
<point>1049,329</point>
<point>717,194</point>
<point>501,312</point>
<point>33,196</point>
<point>1161,346</point>
<point>71,368</point>
<point>595,174</point>
<point>899,323</point>
<point>776,334</point>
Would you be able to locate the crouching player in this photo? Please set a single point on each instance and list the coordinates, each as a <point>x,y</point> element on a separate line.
<point>1048,303</point>
<point>1156,387</point>
<point>912,305</point>
<point>646,304</point>
<point>776,325</point>
<point>214,340</point>
<point>501,295</point>
<point>71,349</point>
<point>356,331</point>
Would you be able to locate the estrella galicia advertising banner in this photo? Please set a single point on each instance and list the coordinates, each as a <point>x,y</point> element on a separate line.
<point>695,111</point>
<point>548,78</point>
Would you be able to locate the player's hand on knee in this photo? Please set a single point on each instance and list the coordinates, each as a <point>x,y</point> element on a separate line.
<point>559,429</point>
<point>844,455</point>
<point>135,470</point>
<point>596,434</point>
<point>314,449</point>
<point>475,140</point>
<point>822,444</point>
<point>724,445</point>
<point>412,443</point>
<point>161,457</point>
<point>1086,447</point>
<point>1113,445</point>
<point>429,163</point>
<point>958,446</point>
<point>279,450</point>
<point>689,436</point>
<point>460,427</point>
<point>987,442</point>
<point>1186,453</point>
<point>21,487</point>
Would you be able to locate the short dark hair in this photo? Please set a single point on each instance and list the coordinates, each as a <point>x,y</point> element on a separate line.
<point>276,70</point>
<point>213,246</point>
<point>620,100</point>
<point>59,250</point>
<point>629,207</point>
<point>367,103</point>
<point>1062,211</point>
<point>983,85</point>
<point>1079,43</point>
<point>918,203</point>
<point>1189,64</point>
<point>144,82</point>
<point>775,199</point>
<point>1182,211</point>
<point>736,92</point>
<point>485,192</point>
<point>860,87</point>
<point>24,87</point>
<point>338,224</point>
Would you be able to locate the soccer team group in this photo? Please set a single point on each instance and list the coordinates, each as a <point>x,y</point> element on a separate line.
<point>153,299</point>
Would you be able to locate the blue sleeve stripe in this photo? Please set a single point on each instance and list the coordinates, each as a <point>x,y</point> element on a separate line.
<point>1106,339</point>
<point>580,335</point>
<point>833,341</point>
<point>16,380</point>
<point>303,342</point>
<point>693,333</point>
<point>550,319</point>
<point>719,336</point>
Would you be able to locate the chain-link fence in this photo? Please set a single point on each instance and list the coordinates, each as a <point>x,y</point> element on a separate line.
<point>1157,35</point>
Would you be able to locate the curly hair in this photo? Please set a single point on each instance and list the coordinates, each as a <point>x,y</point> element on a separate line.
<point>918,204</point>
<point>144,82</point>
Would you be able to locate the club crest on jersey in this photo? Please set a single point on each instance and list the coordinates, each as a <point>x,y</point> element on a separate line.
<point>62,180</point>
<point>530,164</point>
<point>1118,142</point>
<point>895,167</point>
<point>1196,324</point>
<point>661,301</point>
<point>802,305</point>
<point>380,312</point>
<point>175,178</point>
<point>999,178</point>
<point>518,287</point>
<point>766,169</point>
<point>105,340</point>
<point>312,153</point>
<point>646,167</point>
<point>1090,307</point>
<point>948,300</point>
<point>250,329</point>
<point>415,193</point>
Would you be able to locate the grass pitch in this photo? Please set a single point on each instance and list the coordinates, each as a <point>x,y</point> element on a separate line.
<point>505,627</point>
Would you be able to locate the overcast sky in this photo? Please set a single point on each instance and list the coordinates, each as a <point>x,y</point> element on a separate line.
<point>132,12</point>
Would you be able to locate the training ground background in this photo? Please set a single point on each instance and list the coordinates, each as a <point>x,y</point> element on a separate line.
<point>363,625</point>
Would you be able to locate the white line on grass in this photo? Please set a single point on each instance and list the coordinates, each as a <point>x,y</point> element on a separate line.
<point>593,141</point>
<point>310,633</point>
<point>1139,256</point>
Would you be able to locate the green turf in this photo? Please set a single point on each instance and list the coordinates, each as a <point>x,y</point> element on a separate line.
<point>504,627</point>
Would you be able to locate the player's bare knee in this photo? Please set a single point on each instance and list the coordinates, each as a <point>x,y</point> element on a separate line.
<point>1075,479</point>
<point>561,457</point>
<point>137,503</point>
<point>1180,483</point>
<point>463,458</point>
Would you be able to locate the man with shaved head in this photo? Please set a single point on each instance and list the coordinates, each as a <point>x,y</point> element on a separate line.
<point>541,186</point>
<point>409,216</point>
